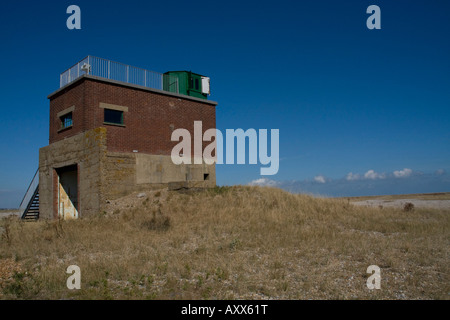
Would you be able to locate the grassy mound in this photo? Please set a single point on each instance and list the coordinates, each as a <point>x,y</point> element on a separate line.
<point>229,243</point>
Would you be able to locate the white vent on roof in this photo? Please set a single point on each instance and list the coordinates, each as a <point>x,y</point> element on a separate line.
<point>205,85</point>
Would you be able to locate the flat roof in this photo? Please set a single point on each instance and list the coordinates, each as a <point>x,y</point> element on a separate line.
<point>130,85</point>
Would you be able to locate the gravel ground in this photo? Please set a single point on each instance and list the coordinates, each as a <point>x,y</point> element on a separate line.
<point>399,203</point>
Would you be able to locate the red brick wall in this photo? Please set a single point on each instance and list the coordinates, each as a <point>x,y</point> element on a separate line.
<point>147,122</point>
<point>72,96</point>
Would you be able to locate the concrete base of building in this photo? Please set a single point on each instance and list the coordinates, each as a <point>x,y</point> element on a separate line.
<point>102,175</point>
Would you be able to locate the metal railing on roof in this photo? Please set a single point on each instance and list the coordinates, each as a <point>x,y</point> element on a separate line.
<point>112,70</point>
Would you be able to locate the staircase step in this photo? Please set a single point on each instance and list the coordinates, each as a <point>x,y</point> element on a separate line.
<point>32,212</point>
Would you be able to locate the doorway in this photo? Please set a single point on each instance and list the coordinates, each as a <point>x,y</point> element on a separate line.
<point>68,192</point>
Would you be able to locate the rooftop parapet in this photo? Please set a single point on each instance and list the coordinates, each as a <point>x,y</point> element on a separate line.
<point>117,71</point>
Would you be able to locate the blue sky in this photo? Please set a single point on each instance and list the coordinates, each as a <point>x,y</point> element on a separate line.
<point>346,99</point>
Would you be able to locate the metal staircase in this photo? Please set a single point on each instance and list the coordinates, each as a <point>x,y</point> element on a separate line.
<point>30,202</point>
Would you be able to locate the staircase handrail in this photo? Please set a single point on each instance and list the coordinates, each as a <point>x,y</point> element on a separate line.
<point>30,192</point>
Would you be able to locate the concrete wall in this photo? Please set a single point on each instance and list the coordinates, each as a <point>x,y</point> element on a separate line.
<point>118,175</point>
<point>87,150</point>
<point>160,169</point>
<point>124,173</point>
<point>104,175</point>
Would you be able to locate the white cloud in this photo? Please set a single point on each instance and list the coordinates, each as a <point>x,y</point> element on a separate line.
<point>371,174</point>
<point>263,182</point>
<point>320,179</point>
<point>403,173</point>
<point>353,176</point>
<point>440,172</point>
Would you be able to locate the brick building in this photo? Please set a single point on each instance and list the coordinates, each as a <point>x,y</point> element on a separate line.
<point>110,136</point>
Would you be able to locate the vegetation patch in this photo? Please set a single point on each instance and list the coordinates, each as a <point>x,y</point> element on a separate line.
<point>229,243</point>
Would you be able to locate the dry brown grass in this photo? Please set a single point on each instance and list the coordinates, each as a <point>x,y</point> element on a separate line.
<point>232,243</point>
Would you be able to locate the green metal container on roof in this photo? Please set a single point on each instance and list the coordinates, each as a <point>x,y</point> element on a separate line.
<point>187,83</point>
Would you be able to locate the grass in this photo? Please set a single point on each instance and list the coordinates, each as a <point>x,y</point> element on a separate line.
<point>229,243</point>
